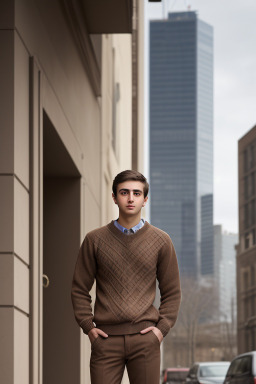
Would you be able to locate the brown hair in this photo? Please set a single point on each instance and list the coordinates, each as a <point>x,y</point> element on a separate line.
<point>130,175</point>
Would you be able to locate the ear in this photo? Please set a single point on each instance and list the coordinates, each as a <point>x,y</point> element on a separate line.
<point>114,198</point>
<point>145,201</point>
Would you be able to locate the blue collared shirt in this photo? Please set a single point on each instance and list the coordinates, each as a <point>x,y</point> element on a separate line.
<point>133,229</point>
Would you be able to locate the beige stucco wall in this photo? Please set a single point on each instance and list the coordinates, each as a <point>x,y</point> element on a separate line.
<point>119,66</point>
<point>61,87</point>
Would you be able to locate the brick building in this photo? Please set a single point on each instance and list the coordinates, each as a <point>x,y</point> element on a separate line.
<point>246,249</point>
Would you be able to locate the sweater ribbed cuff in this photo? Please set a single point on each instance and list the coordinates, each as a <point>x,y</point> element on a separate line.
<point>163,327</point>
<point>87,325</point>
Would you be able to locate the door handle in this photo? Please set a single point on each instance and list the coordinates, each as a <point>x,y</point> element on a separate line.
<point>46,281</point>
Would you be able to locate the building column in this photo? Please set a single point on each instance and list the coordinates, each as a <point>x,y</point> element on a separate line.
<point>14,202</point>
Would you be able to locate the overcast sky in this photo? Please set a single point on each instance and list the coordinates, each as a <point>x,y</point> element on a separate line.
<point>234,24</point>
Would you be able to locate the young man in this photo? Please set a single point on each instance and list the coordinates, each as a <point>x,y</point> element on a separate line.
<point>126,257</point>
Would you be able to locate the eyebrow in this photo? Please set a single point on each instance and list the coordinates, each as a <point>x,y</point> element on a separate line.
<point>128,190</point>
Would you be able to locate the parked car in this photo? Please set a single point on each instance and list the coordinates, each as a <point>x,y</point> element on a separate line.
<point>208,373</point>
<point>174,375</point>
<point>242,369</point>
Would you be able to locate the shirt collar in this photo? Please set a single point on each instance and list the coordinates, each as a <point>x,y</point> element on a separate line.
<point>133,229</point>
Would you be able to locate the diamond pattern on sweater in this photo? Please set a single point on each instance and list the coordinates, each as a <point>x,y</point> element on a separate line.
<point>129,272</point>
<point>125,268</point>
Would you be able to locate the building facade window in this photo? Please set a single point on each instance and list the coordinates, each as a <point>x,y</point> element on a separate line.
<point>247,339</point>
<point>251,157</point>
<point>252,184</point>
<point>252,306</point>
<point>246,216</point>
<point>253,236</point>
<point>246,309</point>
<point>245,280</point>
<point>249,185</point>
<point>252,275</point>
<point>247,240</point>
<point>245,160</point>
<point>252,212</point>
<point>246,187</point>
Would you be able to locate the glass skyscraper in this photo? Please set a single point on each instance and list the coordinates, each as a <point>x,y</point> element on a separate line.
<point>181,137</point>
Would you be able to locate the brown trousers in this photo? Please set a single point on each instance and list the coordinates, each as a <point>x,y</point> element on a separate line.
<point>139,353</point>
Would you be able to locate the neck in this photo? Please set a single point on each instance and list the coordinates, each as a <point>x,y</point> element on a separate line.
<point>129,222</point>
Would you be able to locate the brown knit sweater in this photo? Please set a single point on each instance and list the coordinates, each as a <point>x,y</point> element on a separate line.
<point>126,268</point>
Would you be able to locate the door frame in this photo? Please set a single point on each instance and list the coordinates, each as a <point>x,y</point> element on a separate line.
<point>35,221</point>
<point>42,97</point>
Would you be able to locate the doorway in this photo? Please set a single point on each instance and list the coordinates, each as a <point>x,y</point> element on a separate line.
<point>61,241</point>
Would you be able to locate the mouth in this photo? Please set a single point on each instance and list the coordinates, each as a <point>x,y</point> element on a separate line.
<point>130,206</point>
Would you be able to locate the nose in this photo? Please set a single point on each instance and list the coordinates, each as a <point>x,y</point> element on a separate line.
<point>130,197</point>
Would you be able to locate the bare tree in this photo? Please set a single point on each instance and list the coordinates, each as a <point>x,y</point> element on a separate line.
<point>201,331</point>
<point>198,306</point>
<point>228,332</point>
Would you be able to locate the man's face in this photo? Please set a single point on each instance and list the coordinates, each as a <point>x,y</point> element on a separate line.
<point>130,197</point>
